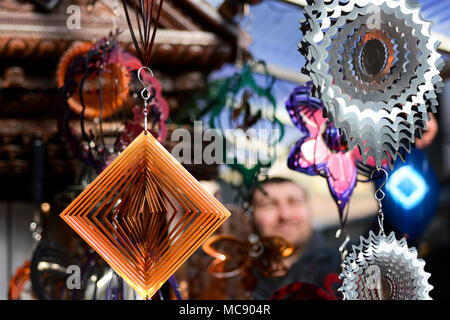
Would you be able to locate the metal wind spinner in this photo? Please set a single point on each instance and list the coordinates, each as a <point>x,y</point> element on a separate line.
<point>384,268</point>
<point>375,66</point>
<point>145,215</point>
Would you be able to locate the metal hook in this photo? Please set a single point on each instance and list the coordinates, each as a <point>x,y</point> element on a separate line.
<point>382,185</point>
<point>145,93</point>
<point>380,211</point>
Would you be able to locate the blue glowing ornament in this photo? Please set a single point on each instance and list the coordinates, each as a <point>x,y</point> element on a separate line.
<point>412,195</point>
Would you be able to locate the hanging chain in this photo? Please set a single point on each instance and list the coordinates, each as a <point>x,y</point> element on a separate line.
<point>379,196</point>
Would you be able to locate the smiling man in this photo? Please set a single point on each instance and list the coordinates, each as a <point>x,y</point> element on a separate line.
<point>282,210</point>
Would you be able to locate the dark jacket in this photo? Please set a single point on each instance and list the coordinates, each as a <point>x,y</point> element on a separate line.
<point>316,261</point>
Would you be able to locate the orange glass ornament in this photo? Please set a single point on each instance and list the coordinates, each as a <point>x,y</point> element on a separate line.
<point>145,214</point>
<point>232,255</point>
<point>114,85</point>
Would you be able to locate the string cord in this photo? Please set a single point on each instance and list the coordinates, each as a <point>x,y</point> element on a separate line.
<point>143,16</point>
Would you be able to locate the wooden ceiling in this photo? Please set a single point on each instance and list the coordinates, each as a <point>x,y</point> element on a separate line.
<point>189,34</point>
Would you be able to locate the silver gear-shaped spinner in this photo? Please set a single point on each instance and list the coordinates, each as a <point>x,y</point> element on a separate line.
<point>383,268</point>
<point>376,68</point>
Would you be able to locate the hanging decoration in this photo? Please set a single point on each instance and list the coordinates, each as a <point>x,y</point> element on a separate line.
<point>91,83</point>
<point>95,82</point>
<point>412,195</point>
<point>242,105</point>
<point>243,112</point>
<point>374,65</point>
<point>233,257</point>
<point>145,214</point>
<point>383,268</point>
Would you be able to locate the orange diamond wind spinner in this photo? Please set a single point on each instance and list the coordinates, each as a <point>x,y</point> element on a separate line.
<point>145,214</point>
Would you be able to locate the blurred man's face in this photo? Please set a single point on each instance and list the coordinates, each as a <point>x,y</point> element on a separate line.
<point>282,212</point>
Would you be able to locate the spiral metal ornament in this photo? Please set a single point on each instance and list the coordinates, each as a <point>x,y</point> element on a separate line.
<point>375,66</point>
<point>383,268</point>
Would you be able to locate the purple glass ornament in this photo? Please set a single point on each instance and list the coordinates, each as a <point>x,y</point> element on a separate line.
<point>322,150</point>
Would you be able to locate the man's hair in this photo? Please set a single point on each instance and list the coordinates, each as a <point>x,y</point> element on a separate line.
<point>278,180</point>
